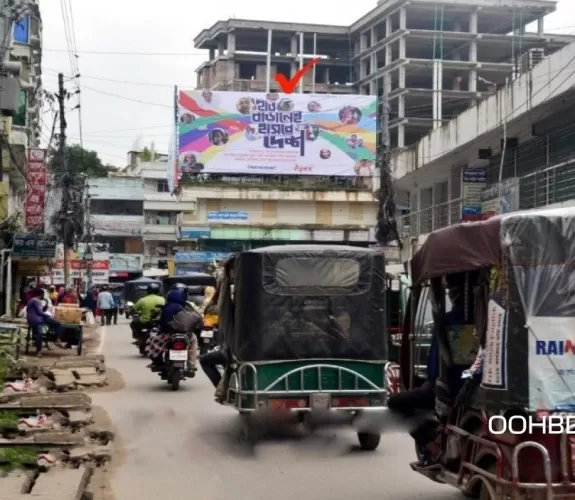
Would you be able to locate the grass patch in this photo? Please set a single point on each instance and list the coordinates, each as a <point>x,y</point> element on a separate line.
<point>8,420</point>
<point>18,457</point>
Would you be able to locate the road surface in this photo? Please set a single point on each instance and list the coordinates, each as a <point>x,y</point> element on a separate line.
<point>182,445</point>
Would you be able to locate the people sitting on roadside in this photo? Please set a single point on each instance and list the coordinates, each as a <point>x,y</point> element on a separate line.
<point>38,319</point>
<point>146,309</point>
<point>176,317</point>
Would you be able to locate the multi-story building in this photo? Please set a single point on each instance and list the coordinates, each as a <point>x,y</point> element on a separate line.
<point>438,61</point>
<point>440,58</point>
<point>161,209</point>
<point>21,97</point>
<point>116,217</point>
<point>523,135</point>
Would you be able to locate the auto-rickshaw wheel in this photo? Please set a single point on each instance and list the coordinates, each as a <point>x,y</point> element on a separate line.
<point>367,441</point>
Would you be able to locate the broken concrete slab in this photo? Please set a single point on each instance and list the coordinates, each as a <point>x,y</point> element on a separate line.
<point>85,370</point>
<point>61,484</point>
<point>14,486</point>
<point>60,438</point>
<point>78,418</point>
<point>70,400</point>
<point>63,379</point>
<point>92,380</point>
<point>79,364</point>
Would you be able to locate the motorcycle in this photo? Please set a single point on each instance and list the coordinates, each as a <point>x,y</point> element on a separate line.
<point>142,336</point>
<point>129,309</point>
<point>208,339</point>
<point>175,361</point>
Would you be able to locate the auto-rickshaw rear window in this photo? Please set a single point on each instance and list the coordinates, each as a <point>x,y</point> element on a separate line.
<point>300,272</point>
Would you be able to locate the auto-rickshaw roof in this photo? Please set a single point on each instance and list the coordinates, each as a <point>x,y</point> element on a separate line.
<point>311,248</point>
<point>459,248</point>
<point>473,245</point>
<point>143,280</point>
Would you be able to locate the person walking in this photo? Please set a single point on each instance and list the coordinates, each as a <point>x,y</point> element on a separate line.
<point>106,305</point>
<point>117,296</point>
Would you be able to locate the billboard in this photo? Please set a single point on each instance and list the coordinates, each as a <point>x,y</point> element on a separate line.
<point>276,134</point>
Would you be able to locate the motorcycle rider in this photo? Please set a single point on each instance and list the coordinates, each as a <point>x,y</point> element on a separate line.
<point>147,309</point>
<point>170,323</point>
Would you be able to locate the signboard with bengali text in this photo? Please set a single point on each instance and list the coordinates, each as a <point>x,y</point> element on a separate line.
<point>276,134</point>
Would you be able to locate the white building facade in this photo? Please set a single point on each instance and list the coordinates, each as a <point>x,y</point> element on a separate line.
<point>522,135</point>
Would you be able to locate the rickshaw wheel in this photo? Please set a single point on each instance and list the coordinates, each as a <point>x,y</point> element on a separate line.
<point>367,441</point>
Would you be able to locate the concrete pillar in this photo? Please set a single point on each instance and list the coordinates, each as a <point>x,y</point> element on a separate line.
<point>473,21</point>
<point>212,54</point>
<point>473,51</point>
<point>326,76</point>
<point>401,77</point>
<point>294,44</point>
<point>362,42</point>
<point>221,48</point>
<point>437,93</point>
<point>231,44</point>
<point>372,36</point>
<point>402,18</point>
<point>401,106</point>
<point>541,26</point>
<point>473,80</point>
<point>373,62</point>
<point>401,135</point>
<point>388,54</point>
<point>373,87</point>
<point>402,48</point>
<point>457,26</point>
<point>388,26</point>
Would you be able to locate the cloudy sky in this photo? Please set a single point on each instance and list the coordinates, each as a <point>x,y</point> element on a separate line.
<point>132,53</point>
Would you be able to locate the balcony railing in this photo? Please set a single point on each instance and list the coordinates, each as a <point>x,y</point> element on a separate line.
<point>430,219</point>
<point>281,182</point>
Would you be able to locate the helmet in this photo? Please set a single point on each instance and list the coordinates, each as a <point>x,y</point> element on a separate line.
<point>153,288</point>
<point>179,286</point>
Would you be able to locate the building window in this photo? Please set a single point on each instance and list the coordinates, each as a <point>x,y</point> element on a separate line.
<point>19,118</point>
<point>22,30</point>
<point>162,186</point>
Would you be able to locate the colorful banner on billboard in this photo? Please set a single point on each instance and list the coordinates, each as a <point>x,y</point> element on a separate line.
<point>278,134</point>
<point>36,180</point>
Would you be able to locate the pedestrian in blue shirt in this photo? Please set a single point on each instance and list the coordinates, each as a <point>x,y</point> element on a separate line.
<point>106,305</point>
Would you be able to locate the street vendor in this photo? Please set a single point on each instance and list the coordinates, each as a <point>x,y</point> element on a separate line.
<point>38,320</point>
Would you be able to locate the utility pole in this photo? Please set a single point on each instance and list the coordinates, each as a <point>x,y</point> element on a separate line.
<point>89,255</point>
<point>65,181</point>
<point>386,224</point>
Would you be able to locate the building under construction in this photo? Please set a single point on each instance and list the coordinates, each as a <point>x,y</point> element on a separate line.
<point>441,57</point>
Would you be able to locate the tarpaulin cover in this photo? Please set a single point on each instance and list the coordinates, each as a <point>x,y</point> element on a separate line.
<point>295,302</point>
<point>530,348</point>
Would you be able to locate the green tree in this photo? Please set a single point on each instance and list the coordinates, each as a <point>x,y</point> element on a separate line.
<point>145,154</point>
<point>80,161</point>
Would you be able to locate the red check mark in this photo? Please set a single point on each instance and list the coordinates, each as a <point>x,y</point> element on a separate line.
<point>288,86</point>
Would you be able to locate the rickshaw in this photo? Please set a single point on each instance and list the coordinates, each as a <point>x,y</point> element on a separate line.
<point>134,290</point>
<point>518,273</point>
<point>305,330</point>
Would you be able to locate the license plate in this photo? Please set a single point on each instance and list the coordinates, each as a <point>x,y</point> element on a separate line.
<point>178,355</point>
<point>207,334</point>
<point>320,400</point>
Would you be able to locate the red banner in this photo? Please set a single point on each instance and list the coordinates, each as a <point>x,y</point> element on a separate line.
<point>36,180</point>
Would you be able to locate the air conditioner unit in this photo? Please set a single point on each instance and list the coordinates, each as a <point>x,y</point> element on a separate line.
<point>9,95</point>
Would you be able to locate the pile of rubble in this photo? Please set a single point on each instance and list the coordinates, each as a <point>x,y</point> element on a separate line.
<point>48,438</point>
